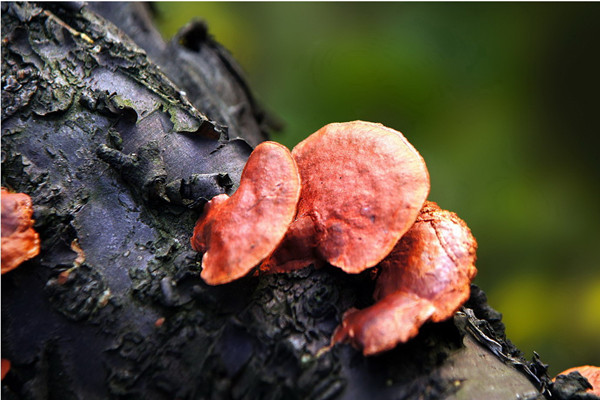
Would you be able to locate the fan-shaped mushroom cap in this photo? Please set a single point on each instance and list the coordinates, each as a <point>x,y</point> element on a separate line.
<point>238,232</point>
<point>363,185</point>
<point>426,277</point>
<point>380,327</point>
<point>434,260</point>
<point>20,241</point>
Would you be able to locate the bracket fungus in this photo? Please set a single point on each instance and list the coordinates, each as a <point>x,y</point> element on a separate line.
<point>20,241</point>
<point>426,277</point>
<point>363,185</point>
<point>236,233</point>
<point>362,203</point>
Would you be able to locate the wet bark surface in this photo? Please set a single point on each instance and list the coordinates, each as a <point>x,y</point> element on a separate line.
<point>120,139</point>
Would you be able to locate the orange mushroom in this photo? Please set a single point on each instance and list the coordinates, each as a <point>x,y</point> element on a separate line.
<point>297,249</point>
<point>363,185</point>
<point>20,241</point>
<point>380,327</point>
<point>5,368</point>
<point>426,277</point>
<point>236,233</point>
<point>589,372</point>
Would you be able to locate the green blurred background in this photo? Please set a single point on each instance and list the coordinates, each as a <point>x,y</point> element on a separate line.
<point>502,101</point>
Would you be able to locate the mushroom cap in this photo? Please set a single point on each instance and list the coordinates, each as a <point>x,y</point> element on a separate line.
<point>380,327</point>
<point>426,277</point>
<point>435,260</point>
<point>589,372</point>
<point>363,185</point>
<point>236,233</point>
<point>20,241</point>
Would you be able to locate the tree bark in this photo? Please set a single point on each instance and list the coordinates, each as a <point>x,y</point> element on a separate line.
<point>120,138</point>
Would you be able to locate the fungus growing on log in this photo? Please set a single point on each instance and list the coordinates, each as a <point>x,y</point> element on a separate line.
<point>20,241</point>
<point>362,203</point>
<point>363,185</point>
<point>589,372</point>
<point>426,277</point>
<point>296,250</point>
<point>236,233</point>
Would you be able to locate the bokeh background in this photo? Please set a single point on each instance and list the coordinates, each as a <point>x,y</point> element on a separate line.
<point>502,101</point>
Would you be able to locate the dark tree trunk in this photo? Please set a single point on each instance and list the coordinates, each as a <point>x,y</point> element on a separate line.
<point>119,148</point>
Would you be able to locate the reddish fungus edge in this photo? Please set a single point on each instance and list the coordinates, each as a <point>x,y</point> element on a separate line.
<point>211,208</point>
<point>5,368</point>
<point>266,201</point>
<point>381,327</point>
<point>20,242</point>
<point>295,251</point>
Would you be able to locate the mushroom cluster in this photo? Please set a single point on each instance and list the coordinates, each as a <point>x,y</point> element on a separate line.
<point>352,195</point>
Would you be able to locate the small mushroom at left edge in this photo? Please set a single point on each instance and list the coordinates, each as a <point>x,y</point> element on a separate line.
<point>20,242</point>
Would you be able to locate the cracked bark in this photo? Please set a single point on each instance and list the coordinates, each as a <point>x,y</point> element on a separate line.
<point>120,138</point>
